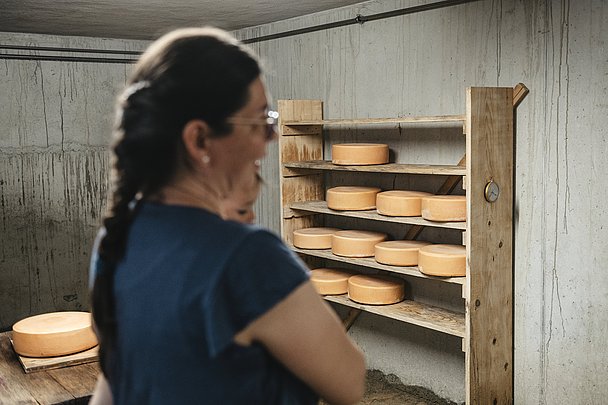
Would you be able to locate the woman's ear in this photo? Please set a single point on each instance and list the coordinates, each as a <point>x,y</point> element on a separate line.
<point>195,136</point>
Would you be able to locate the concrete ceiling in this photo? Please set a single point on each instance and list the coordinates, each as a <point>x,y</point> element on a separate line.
<point>147,19</point>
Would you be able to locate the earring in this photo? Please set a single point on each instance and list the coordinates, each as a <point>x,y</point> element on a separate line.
<point>206,159</point>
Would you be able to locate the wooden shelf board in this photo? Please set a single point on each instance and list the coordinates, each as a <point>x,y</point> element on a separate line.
<point>447,170</point>
<point>369,262</point>
<point>371,121</point>
<point>413,312</point>
<point>321,208</point>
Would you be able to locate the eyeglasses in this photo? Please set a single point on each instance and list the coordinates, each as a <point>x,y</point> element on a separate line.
<point>271,122</point>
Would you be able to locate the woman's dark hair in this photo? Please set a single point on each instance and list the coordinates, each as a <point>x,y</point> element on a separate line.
<point>195,73</point>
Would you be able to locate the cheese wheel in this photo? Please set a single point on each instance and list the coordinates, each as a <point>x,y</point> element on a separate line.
<point>352,198</point>
<point>443,260</point>
<point>400,203</point>
<point>355,243</point>
<point>444,208</point>
<point>329,281</point>
<point>359,154</point>
<point>376,289</point>
<point>53,334</point>
<point>399,252</point>
<point>313,238</point>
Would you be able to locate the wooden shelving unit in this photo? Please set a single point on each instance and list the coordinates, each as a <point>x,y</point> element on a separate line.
<point>447,170</point>
<point>486,322</point>
<point>320,207</point>
<point>370,263</point>
<point>427,316</point>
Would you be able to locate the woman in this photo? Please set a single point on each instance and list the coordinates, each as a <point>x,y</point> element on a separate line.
<point>190,308</point>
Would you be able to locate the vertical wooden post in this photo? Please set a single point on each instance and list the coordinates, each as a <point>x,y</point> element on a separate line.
<point>299,143</point>
<point>489,237</point>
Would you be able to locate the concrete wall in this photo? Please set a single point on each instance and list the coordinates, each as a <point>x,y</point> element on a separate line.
<point>420,64</point>
<point>56,120</point>
<point>56,127</point>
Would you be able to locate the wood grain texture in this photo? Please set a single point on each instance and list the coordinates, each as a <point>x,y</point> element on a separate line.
<point>427,316</point>
<point>372,121</point>
<point>321,208</point>
<point>42,387</point>
<point>295,147</point>
<point>301,188</point>
<point>79,381</point>
<point>369,262</point>
<point>449,170</point>
<point>489,356</point>
<point>300,148</point>
<point>291,224</point>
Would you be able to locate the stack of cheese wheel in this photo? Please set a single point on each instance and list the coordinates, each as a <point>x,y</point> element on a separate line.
<point>443,260</point>
<point>355,243</point>
<point>399,252</point>
<point>313,238</point>
<point>444,208</point>
<point>53,334</point>
<point>330,281</point>
<point>352,198</point>
<point>376,289</point>
<point>359,154</point>
<point>400,203</point>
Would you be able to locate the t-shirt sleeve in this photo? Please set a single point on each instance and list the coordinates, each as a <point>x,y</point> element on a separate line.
<point>261,272</point>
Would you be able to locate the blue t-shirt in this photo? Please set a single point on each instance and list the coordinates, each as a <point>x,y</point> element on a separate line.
<point>188,283</point>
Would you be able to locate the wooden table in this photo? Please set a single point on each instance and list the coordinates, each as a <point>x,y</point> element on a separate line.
<point>72,384</point>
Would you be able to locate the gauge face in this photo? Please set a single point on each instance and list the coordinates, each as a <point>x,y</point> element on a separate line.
<point>492,191</point>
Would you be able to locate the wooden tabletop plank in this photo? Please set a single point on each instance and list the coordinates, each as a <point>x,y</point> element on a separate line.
<point>42,387</point>
<point>78,381</point>
<point>18,387</point>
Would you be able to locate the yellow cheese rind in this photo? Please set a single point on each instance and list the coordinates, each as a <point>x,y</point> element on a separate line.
<point>313,238</point>
<point>54,334</point>
<point>355,243</point>
<point>443,260</point>
<point>375,289</point>
<point>359,154</point>
<point>330,281</point>
<point>352,198</point>
<point>400,203</point>
<point>399,252</point>
<point>444,208</point>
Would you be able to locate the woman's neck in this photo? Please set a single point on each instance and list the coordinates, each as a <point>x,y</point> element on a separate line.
<point>193,193</point>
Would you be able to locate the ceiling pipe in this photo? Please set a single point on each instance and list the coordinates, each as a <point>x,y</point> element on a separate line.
<point>359,19</point>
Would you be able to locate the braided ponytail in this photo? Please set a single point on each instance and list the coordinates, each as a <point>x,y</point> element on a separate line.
<point>188,74</point>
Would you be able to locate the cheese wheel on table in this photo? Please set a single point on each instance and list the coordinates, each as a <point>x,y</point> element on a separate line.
<point>313,238</point>
<point>352,198</point>
<point>400,203</point>
<point>444,208</point>
<point>399,252</point>
<point>375,289</point>
<point>359,153</point>
<point>54,334</point>
<point>443,260</point>
<point>355,243</point>
<point>329,281</point>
